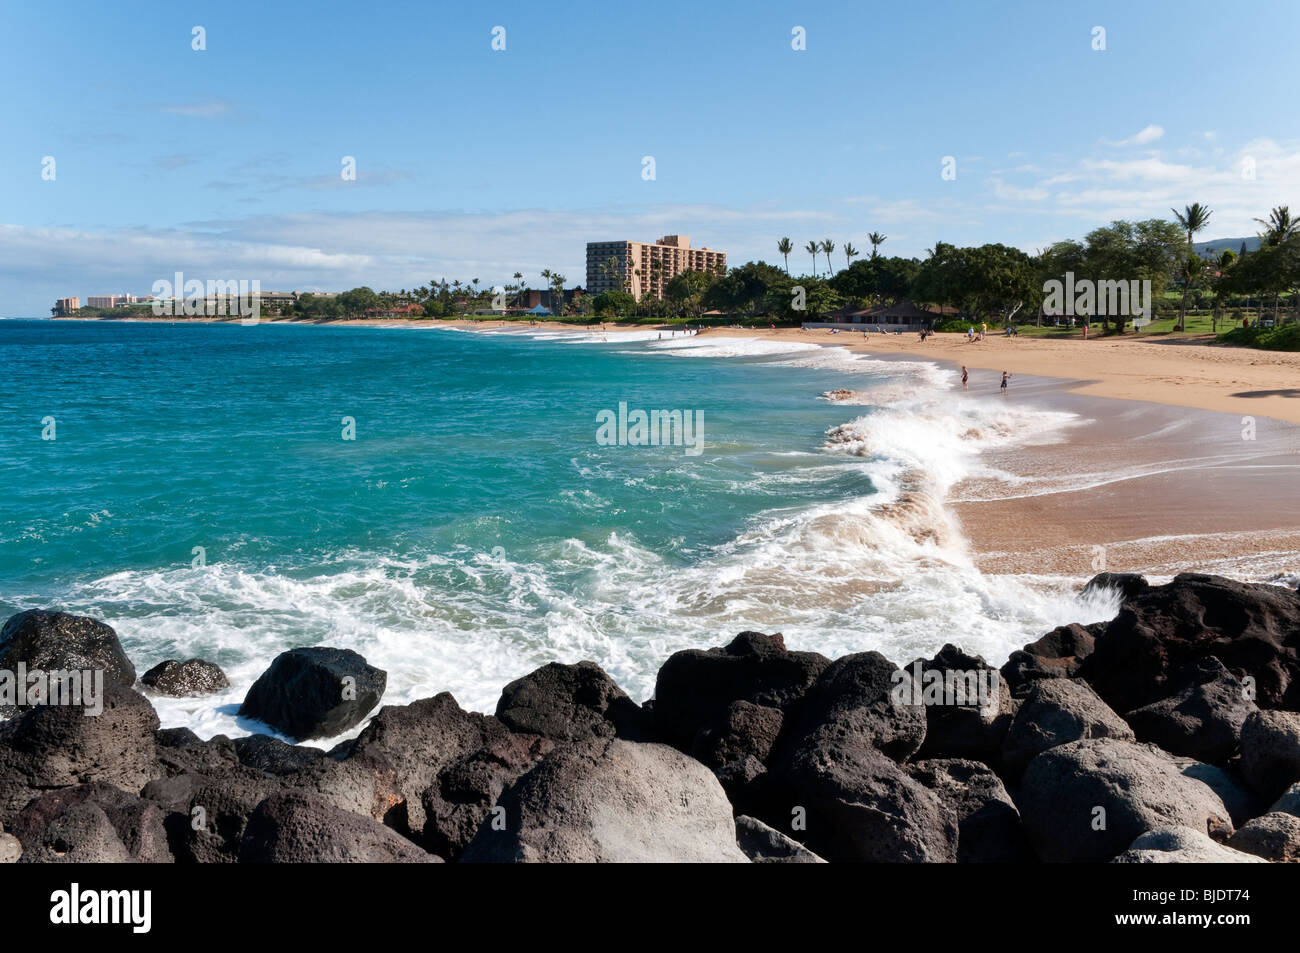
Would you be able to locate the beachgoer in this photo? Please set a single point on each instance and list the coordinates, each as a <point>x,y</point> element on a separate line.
<point>965,376</point>
<point>1005,377</point>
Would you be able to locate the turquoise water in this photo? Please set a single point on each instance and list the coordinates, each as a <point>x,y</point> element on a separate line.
<point>474,528</point>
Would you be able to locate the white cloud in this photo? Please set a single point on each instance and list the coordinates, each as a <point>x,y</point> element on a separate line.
<point>1143,137</point>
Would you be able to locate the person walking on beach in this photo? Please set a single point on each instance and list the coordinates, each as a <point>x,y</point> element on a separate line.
<point>965,376</point>
<point>984,330</point>
<point>1005,377</point>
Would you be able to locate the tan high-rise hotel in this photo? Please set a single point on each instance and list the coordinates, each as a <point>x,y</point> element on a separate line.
<point>638,267</point>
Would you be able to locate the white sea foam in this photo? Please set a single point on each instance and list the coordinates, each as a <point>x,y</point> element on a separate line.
<point>890,571</point>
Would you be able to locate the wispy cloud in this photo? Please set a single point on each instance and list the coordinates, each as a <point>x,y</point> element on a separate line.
<point>1143,137</point>
<point>207,110</point>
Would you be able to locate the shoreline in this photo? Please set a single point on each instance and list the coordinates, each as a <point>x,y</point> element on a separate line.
<point>1178,373</point>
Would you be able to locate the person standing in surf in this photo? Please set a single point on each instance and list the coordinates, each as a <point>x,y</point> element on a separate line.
<point>1005,377</point>
<point>965,376</point>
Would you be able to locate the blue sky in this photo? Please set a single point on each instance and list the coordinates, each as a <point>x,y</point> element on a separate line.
<point>471,163</point>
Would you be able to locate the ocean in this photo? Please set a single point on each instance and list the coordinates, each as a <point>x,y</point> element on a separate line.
<point>439,501</point>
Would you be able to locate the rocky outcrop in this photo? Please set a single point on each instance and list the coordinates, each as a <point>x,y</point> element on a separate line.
<point>186,679</point>
<point>751,752</point>
<point>1253,629</point>
<point>315,692</point>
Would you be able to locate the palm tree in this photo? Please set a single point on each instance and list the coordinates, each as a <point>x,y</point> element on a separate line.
<point>519,287</point>
<point>1279,226</point>
<point>813,248</point>
<point>849,253</point>
<point>784,246</point>
<point>876,240</point>
<point>1193,218</point>
<point>828,246</point>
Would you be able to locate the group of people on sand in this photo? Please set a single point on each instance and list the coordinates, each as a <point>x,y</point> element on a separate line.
<point>972,335</point>
<point>965,379</point>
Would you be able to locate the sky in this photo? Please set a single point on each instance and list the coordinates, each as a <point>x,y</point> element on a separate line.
<point>227,162</point>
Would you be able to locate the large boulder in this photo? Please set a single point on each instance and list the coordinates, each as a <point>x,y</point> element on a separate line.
<point>618,801</point>
<point>1203,715</point>
<point>189,678</point>
<point>91,823</point>
<point>1242,803</point>
<point>868,696</point>
<point>988,824</point>
<point>1270,751</point>
<point>1088,800</point>
<point>315,692</point>
<point>694,688</point>
<point>1056,712</point>
<point>1253,629</point>
<point>975,709</point>
<point>55,746</point>
<point>1181,845</point>
<point>58,641</point>
<point>295,827</point>
<point>1274,837</point>
<point>854,803</point>
<point>570,703</point>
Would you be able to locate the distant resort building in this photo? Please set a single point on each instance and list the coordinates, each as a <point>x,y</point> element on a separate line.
<point>65,306</point>
<point>638,267</point>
